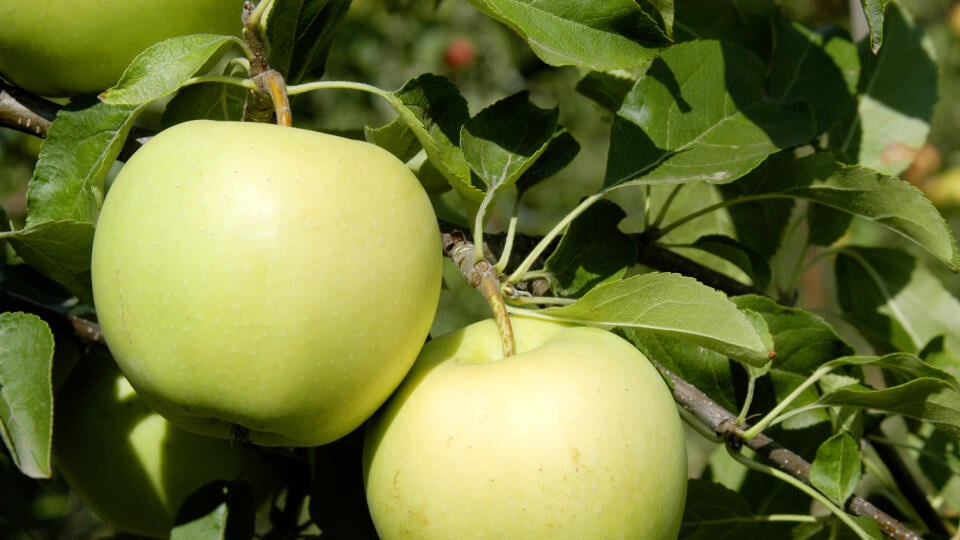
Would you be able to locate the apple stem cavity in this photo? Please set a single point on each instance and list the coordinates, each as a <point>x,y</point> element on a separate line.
<point>483,276</point>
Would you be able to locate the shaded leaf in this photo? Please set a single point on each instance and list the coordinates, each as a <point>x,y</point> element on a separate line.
<point>926,399</point>
<point>217,510</point>
<point>593,250</point>
<point>26,407</point>
<point>560,151</point>
<point>432,107</point>
<point>894,300</point>
<point>892,119</point>
<point>337,500</point>
<point>741,22</point>
<point>712,511</point>
<point>886,200</point>
<point>607,89</point>
<point>601,36</point>
<point>298,35</point>
<point>673,304</point>
<point>59,250</point>
<point>803,341</point>
<point>753,264</point>
<point>836,469</point>
<point>502,141</point>
<point>81,145</point>
<point>163,67</point>
<point>711,372</point>
<point>700,113</point>
<point>211,101</point>
<point>396,137</point>
<point>819,67</point>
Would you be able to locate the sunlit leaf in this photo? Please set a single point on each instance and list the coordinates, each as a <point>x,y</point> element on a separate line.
<point>81,145</point>
<point>602,36</point>
<point>163,67</point>
<point>26,394</point>
<point>700,113</point>
<point>672,304</point>
<point>836,469</point>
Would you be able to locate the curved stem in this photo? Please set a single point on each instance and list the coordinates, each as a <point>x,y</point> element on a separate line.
<point>272,82</point>
<point>662,214</point>
<point>223,79</point>
<point>541,246</point>
<point>771,416</point>
<point>511,234</point>
<point>748,399</point>
<point>541,300</point>
<point>713,208</point>
<point>478,224</point>
<point>846,518</point>
<point>297,89</point>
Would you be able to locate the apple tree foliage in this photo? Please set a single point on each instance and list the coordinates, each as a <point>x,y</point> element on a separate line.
<point>745,225</point>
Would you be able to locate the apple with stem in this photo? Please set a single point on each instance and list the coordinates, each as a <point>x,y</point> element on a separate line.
<point>574,436</point>
<point>67,47</point>
<point>129,465</point>
<point>266,283</point>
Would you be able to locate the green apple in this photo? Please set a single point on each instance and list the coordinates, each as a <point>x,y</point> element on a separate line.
<point>269,282</point>
<point>65,47</point>
<point>128,464</point>
<point>576,436</point>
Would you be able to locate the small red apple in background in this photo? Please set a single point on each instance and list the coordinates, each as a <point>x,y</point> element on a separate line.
<point>459,54</point>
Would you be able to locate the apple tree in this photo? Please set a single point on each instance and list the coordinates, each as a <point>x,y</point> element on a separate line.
<point>742,201</point>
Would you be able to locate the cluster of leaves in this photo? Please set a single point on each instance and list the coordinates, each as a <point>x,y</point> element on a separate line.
<point>759,145</point>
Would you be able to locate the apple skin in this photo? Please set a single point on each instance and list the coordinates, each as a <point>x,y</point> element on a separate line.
<point>272,279</point>
<point>66,47</point>
<point>576,436</point>
<point>129,465</point>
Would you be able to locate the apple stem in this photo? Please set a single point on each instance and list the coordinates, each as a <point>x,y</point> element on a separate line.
<point>483,276</point>
<point>272,83</point>
<point>270,98</point>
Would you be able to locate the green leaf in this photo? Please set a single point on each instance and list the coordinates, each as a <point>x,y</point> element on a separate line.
<point>874,10</point>
<point>815,66</point>
<point>210,101</point>
<point>433,108</point>
<point>926,399</point>
<point>601,36</point>
<point>59,250</point>
<point>745,23</point>
<point>163,67</point>
<point>700,113</point>
<point>708,370</point>
<point>894,300</point>
<point>753,264</point>
<point>81,145</point>
<point>502,141</point>
<point>218,510</point>
<point>593,250</point>
<point>905,366</point>
<point>675,305</point>
<point>26,408</point>
<point>396,137</point>
<point>892,120</point>
<point>714,512</point>
<point>606,89</point>
<point>836,469</point>
<point>298,35</point>
<point>560,151</point>
<point>886,200</point>
<point>802,340</point>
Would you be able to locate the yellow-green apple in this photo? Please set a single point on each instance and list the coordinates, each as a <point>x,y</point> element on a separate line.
<point>66,47</point>
<point>575,436</point>
<point>265,282</point>
<point>129,465</point>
